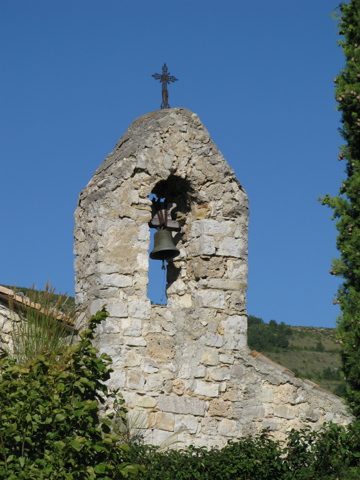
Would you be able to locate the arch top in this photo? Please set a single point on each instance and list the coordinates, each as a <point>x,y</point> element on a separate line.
<point>168,153</point>
<point>163,143</point>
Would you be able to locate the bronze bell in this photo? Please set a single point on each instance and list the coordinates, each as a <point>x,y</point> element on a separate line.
<point>164,248</point>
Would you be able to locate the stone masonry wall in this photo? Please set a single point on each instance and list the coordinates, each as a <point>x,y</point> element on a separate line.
<point>184,366</point>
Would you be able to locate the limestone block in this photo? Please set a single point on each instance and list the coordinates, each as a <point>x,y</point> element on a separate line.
<point>184,404</point>
<point>155,382</point>
<point>162,421</point>
<point>160,347</point>
<point>132,327</point>
<point>288,393</point>
<point>283,411</point>
<point>236,269</point>
<point>116,308</point>
<point>235,324</point>
<point>209,426</point>
<point>222,284</point>
<point>114,280</point>
<point>187,423</point>
<point>238,372</point>
<point>169,328</point>
<point>110,325</point>
<point>132,359</point>
<point>108,340</point>
<point>104,268</point>
<point>224,358</point>
<point>309,414</point>
<point>135,341</point>
<point>210,227</point>
<point>116,352</point>
<point>220,408</point>
<point>270,423</point>
<point>219,374</point>
<point>110,293</point>
<point>145,401</point>
<point>135,380</point>
<point>151,327</point>
<point>179,287</point>
<point>97,305</point>
<point>210,299</point>
<point>149,366</point>
<point>232,247</point>
<point>140,280</point>
<point>206,389</point>
<point>213,340</point>
<point>209,267</point>
<point>223,387</point>
<point>228,428</point>
<point>144,233</point>
<point>117,379</point>
<point>204,245</point>
<point>210,357</point>
<point>168,386</point>
<point>185,371</point>
<point>159,437</point>
<point>119,242</point>
<point>142,261</point>
<point>139,309</point>
<point>235,301</point>
<point>253,411</point>
<point>129,397</point>
<point>183,301</point>
<point>267,395</point>
<point>199,371</point>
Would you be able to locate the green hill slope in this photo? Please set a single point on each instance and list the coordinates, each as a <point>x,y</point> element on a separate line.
<point>309,352</point>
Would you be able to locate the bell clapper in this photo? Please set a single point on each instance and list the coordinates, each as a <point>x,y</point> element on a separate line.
<point>164,282</point>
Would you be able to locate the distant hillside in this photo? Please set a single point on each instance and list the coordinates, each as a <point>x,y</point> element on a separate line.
<point>309,352</point>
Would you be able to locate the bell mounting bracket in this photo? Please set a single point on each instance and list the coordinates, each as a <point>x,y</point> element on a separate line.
<point>161,216</point>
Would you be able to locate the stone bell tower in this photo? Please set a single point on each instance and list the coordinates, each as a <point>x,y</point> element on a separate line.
<point>178,353</point>
<point>184,366</point>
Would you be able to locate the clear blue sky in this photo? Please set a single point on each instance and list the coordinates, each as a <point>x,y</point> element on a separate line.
<point>76,73</point>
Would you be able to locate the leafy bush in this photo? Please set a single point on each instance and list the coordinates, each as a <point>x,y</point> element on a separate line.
<point>330,454</point>
<point>50,423</point>
<point>256,458</point>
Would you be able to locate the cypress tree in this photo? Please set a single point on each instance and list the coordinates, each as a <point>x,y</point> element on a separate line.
<point>346,206</point>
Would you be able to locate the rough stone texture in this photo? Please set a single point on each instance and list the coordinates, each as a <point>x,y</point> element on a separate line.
<point>7,319</point>
<point>186,365</point>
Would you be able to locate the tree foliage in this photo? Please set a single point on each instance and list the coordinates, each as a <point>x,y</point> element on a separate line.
<point>267,336</point>
<point>50,423</point>
<point>346,206</point>
<point>329,454</point>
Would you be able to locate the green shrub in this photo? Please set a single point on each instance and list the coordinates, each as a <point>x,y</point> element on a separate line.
<point>50,423</point>
<point>333,453</point>
<point>256,458</point>
<point>330,454</point>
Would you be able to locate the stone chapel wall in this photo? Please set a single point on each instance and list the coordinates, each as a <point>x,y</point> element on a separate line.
<point>185,366</point>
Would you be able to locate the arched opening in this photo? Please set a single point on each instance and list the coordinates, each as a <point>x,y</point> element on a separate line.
<point>173,196</point>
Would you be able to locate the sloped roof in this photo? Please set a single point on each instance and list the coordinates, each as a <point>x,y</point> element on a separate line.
<point>17,300</point>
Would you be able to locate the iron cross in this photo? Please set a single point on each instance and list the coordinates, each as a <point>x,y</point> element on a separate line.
<point>165,78</point>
